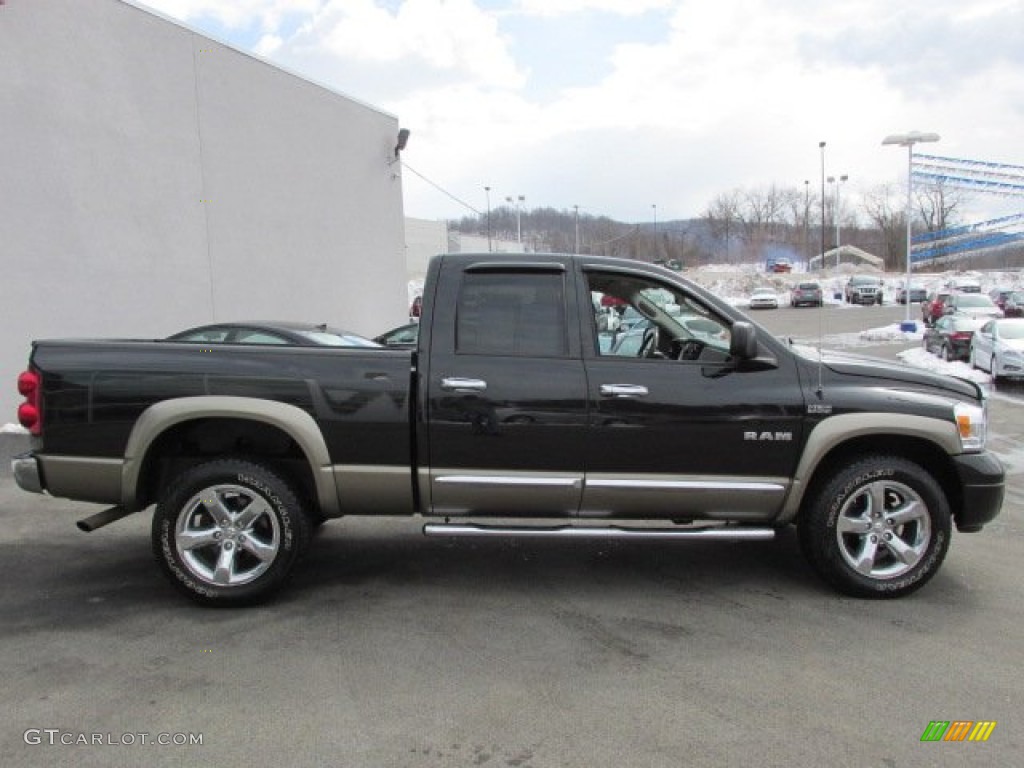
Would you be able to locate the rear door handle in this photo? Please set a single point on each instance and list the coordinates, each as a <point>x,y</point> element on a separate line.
<point>623,390</point>
<point>456,384</point>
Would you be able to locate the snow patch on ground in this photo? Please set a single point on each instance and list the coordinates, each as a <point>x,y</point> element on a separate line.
<point>13,429</point>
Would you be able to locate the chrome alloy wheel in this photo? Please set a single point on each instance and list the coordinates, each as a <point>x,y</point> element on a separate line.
<point>883,530</point>
<point>227,535</point>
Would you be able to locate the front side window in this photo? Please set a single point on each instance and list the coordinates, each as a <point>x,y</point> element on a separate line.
<point>512,314</point>
<point>638,317</point>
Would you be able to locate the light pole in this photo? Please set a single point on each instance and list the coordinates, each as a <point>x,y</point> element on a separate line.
<point>487,190</point>
<point>821,146</point>
<point>518,202</point>
<point>807,215</point>
<point>657,251</point>
<point>576,208</point>
<point>835,212</point>
<point>908,140</point>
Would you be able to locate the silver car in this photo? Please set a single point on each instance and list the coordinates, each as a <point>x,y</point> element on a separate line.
<point>972,304</point>
<point>998,347</point>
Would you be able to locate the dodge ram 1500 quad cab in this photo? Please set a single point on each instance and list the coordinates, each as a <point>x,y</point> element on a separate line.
<point>517,414</point>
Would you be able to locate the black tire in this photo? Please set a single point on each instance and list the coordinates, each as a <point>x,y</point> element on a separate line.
<point>947,353</point>
<point>243,546</point>
<point>867,552</point>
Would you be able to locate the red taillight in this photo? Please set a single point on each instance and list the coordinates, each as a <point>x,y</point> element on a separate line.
<point>961,336</point>
<point>29,415</point>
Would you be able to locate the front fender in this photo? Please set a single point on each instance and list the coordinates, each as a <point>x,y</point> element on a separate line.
<point>836,430</point>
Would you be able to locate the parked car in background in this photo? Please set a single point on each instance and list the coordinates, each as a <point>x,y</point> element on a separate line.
<point>416,308</point>
<point>973,304</point>
<point>917,294</point>
<point>1014,305</point>
<point>950,336</point>
<point>806,295</point>
<point>964,284</point>
<point>261,332</point>
<point>863,289</point>
<point>402,337</point>
<point>932,307</point>
<point>998,347</point>
<point>999,296</point>
<point>764,298</point>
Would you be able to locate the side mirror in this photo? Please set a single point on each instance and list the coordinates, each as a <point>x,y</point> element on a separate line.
<point>743,344</point>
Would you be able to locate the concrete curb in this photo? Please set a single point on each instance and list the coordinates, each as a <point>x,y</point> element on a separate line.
<point>11,445</point>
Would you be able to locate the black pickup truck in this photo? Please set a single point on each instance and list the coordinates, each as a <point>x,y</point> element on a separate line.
<point>549,395</point>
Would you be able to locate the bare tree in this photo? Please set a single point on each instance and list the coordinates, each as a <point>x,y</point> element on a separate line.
<point>723,218</point>
<point>884,212</point>
<point>937,206</point>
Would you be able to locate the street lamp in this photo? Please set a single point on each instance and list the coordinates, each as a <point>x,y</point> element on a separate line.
<point>908,140</point>
<point>577,209</point>
<point>487,190</point>
<point>821,146</point>
<point>807,215</point>
<point>518,202</point>
<point>835,213</point>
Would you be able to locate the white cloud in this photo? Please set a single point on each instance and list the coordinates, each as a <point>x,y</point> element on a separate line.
<point>730,94</point>
<point>567,7</point>
<point>236,14</point>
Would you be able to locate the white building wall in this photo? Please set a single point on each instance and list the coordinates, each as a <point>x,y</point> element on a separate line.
<point>424,239</point>
<point>155,179</point>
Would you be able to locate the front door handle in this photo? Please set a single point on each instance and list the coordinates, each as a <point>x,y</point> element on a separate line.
<point>623,390</point>
<point>456,384</point>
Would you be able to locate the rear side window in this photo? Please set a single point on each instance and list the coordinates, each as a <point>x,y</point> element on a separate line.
<point>511,314</point>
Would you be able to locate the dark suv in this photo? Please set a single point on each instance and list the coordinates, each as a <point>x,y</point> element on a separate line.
<point>863,289</point>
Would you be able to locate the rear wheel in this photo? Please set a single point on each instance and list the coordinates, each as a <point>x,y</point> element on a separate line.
<point>228,532</point>
<point>947,353</point>
<point>879,528</point>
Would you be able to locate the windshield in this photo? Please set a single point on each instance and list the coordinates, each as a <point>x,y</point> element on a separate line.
<point>1011,330</point>
<point>974,301</point>
<point>328,339</point>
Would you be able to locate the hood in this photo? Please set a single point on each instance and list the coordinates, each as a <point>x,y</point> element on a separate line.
<point>883,370</point>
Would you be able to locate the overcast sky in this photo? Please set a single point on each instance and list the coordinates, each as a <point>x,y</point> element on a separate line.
<point>620,105</point>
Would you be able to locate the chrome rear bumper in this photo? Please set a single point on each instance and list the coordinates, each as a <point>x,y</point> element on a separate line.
<point>25,469</point>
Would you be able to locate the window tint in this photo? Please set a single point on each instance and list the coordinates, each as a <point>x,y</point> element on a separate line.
<point>258,337</point>
<point>204,336</point>
<point>511,314</point>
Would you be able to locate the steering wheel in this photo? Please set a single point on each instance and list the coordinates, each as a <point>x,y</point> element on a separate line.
<point>649,345</point>
<point>690,349</point>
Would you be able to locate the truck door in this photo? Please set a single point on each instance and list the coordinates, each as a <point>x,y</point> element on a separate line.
<point>506,393</point>
<point>675,430</point>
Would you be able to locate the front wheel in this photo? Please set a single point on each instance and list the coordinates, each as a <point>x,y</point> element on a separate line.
<point>879,528</point>
<point>228,532</point>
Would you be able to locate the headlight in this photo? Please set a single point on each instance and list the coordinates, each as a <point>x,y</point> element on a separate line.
<point>1012,353</point>
<point>971,421</point>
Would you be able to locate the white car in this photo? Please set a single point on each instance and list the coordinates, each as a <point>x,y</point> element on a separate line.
<point>998,347</point>
<point>764,298</point>
<point>971,304</point>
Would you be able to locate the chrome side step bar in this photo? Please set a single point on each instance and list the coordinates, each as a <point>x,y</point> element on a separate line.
<point>720,533</point>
